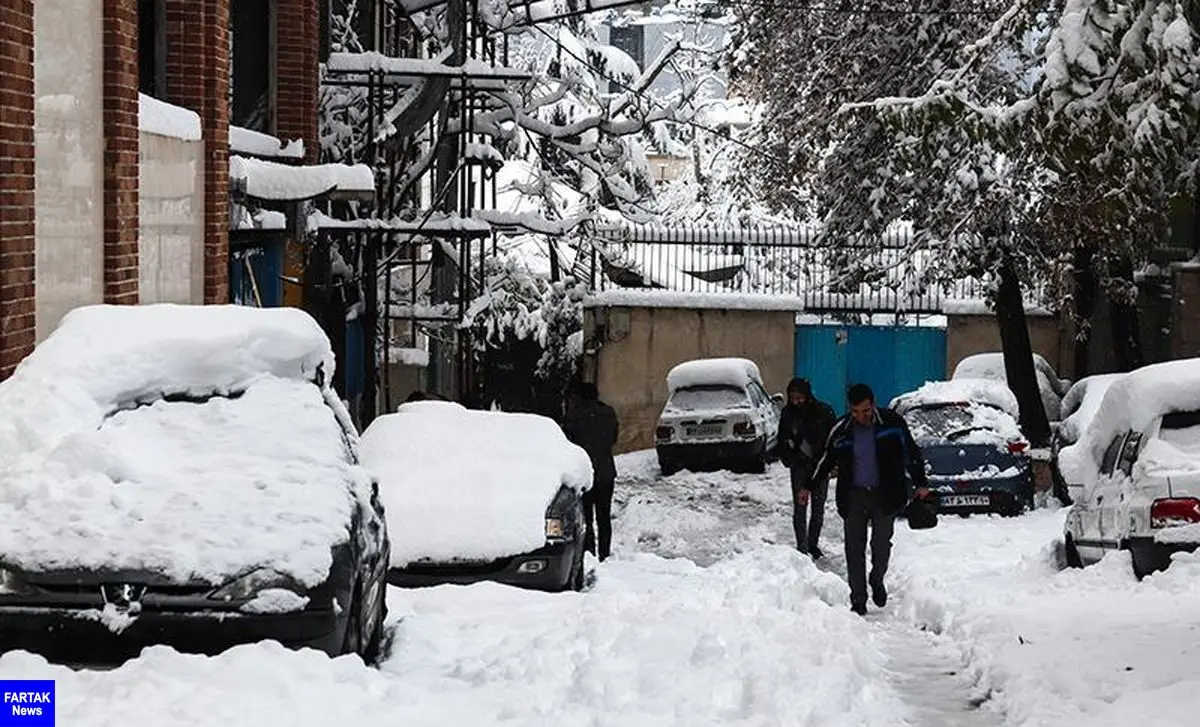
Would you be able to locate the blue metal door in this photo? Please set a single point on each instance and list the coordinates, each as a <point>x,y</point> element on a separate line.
<point>891,360</point>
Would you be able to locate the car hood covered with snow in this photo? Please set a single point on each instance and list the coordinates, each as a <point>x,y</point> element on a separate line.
<point>186,441</point>
<point>460,484</point>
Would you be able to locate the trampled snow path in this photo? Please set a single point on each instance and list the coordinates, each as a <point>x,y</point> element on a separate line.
<point>706,516</point>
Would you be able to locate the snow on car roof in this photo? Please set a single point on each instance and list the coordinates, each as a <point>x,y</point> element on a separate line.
<point>195,490</point>
<point>713,371</point>
<point>459,483</point>
<point>991,366</point>
<point>198,492</point>
<point>982,391</point>
<point>1083,400</point>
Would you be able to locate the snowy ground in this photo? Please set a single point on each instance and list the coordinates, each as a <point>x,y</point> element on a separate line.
<point>707,616</point>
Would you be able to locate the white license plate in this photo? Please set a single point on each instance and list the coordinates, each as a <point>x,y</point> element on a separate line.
<point>965,500</point>
<point>707,430</point>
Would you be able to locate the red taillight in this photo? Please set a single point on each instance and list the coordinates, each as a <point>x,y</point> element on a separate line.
<point>744,429</point>
<point>1017,447</point>
<point>663,433</point>
<point>1171,512</point>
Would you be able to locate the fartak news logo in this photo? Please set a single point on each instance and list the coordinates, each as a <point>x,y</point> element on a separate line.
<point>27,703</point>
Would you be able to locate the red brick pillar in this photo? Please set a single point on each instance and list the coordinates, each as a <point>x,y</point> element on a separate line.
<point>198,79</point>
<point>121,273</point>
<point>17,213</point>
<point>297,79</point>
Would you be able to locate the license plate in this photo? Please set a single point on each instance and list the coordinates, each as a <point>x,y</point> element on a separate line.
<point>706,430</point>
<point>965,500</point>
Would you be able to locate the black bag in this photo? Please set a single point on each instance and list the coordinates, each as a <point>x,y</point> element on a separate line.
<point>922,514</point>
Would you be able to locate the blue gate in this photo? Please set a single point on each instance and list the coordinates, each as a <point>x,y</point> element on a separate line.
<point>891,360</point>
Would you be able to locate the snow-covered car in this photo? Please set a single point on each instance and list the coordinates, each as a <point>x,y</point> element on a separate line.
<point>1140,464</point>
<point>718,414</point>
<point>991,366</point>
<point>480,495</point>
<point>1079,407</point>
<point>975,456</point>
<point>184,475</point>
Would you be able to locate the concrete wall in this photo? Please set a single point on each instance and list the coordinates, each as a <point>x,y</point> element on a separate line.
<point>171,225</point>
<point>967,335</point>
<point>643,344</point>
<point>69,157</point>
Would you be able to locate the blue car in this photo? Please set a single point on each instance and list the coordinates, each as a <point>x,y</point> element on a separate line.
<point>976,458</point>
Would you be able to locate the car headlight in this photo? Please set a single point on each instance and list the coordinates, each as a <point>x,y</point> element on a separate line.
<point>12,584</point>
<point>250,585</point>
<point>556,527</point>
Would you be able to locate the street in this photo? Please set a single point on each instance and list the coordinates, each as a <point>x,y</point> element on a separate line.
<point>706,615</point>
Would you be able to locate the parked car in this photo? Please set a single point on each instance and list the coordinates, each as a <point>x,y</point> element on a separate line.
<point>718,415</point>
<point>1140,462</point>
<point>991,366</point>
<point>480,496</point>
<point>184,475</point>
<point>975,456</point>
<point>1079,407</point>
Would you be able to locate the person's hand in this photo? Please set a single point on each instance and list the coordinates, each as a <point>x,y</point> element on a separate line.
<point>802,497</point>
<point>922,493</point>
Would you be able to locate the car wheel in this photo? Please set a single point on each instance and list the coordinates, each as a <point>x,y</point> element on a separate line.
<point>1141,568</point>
<point>1071,553</point>
<point>352,641</point>
<point>668,468</point>
<point>578,578</point>
<point>374,647</point>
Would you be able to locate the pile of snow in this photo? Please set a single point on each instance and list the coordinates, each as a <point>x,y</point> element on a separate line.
<point>98,470</point>
<point>959,390</point>
<point>464,484</point>
<point>1083,401</point>
<point>267,180</point>
<point>739,372</point>
<point>164,119</point>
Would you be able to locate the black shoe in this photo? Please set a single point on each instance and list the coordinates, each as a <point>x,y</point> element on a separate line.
<point>816,553</point>
<point>879,595</point>
<point>859,608</point>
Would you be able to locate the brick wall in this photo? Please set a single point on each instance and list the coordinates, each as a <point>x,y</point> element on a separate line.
<point>17,300</point>
<point>298,37</point>
<point>121,271</point>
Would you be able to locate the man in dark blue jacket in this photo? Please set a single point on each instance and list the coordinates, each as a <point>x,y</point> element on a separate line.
<point>876,459</point>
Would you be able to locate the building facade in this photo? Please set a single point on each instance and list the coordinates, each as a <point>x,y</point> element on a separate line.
<point>115,145</point>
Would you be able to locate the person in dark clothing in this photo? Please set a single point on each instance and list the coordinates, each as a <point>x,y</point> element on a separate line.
<point>592,424</point>
<point>876,460</point>
<point>416,395</point>
<point>804,425</point>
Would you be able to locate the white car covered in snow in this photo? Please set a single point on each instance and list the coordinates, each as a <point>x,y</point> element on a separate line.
<point>184,475</point>
<point>1140,464</point>
<point>991,366</point>
<point>480,495</point>
<point>718,414</point>
<point>1079,407</point>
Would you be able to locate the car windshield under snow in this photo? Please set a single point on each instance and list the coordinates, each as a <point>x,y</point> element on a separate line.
<point>709,398</point>
<point>955,423</point>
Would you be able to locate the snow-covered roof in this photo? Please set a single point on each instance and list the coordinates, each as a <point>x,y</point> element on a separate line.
<point>99,469</point>
<point>267,180</point>
<point>258,144</point>
<point>164,119</point>
<point>713,371</point>
<point>442,505</point>
<point>981,391</point>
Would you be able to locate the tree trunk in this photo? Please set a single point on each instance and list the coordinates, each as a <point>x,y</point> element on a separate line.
<point>1018,358</point>
<point>1127,340</point>
<point>1085,306</point>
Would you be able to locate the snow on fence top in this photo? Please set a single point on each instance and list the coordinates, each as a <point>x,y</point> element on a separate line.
<point>713,371</point>
<point>255,143</point>
<point>164,119</point>
<point>657,298</point>
<point>438,223</point>
<point>441,505</point>
<point>267,180</point>
<point>409,71</point>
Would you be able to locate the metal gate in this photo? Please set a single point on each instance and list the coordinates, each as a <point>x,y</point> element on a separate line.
<point>890,359</point>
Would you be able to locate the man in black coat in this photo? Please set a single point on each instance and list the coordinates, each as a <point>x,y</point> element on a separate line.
<point>592,424</point>
<point>876,459</point>
<point>804,425</point>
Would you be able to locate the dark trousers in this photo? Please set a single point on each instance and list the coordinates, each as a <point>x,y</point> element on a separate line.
<point>597,507</point>
<point>863,510</point>
<point>808,529</point>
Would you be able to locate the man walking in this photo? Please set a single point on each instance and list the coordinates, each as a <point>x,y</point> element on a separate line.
<point>804,425</point>
<point>592,424</point>
<point>876,457</point>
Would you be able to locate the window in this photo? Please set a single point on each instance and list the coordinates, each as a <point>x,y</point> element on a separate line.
<point>709,398</point>
<point>152,48</point>
<point>632,40</point>
<point>1110,455</point>
<point>1129,453</point>
<point>251,67</point>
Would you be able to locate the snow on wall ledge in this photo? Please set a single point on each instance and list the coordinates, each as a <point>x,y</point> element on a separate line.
<point>164,119</point>
<point>255,143</point>
<point>642,298</point>
<point>977,307</point>
<point>282,182</point>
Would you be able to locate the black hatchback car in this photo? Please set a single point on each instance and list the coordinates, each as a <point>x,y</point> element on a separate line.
<point>194,520</point>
